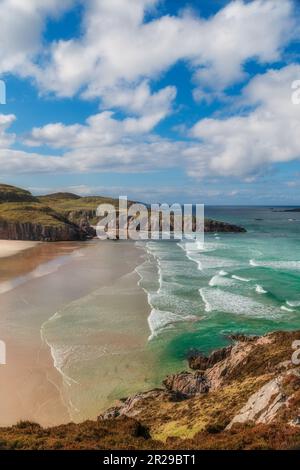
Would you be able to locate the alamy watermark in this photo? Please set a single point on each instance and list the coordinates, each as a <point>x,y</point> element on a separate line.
<point>2,92</point>
<point>135,221</point>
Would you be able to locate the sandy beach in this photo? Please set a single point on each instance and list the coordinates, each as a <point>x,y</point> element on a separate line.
<point>60,277</point>
<point>12,247</point>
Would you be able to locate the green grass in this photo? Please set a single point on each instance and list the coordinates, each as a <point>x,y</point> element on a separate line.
<point>34,213</point>
<point>13,194</point>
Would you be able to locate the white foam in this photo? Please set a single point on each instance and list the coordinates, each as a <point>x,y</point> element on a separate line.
<point>212,262</point>
<point>293,303</point>
<point>222,273</point>
<point>288,265</point>
<point>159,319</point>
<point>260,290</point>
<point>220,281</point>
<point>286,309</point>
<point>239,278</point>
<point>217,299</point>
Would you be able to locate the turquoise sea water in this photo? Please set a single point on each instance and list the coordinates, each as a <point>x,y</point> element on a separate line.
<point>247,283</point>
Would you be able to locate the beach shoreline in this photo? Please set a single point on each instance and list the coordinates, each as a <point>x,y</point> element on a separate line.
<point>31,387</point>
<point>13,247</point>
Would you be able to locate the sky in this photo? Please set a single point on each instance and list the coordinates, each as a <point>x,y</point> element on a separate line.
<point>159,100</point>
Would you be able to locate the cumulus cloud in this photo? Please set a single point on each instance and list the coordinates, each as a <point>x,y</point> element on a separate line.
<point>115,59</point>
<point>6,139</point>
<point>246,144</point>
<point>118,48</point>
<point>22,24</point>
<point>101,144</point>
<point>103,128</point>
<point>242,146</point>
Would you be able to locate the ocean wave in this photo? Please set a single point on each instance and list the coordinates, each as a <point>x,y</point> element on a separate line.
<point>239,278</point>
<point>220,280</point>
<point>212,262</point>
<point>223,301</point>
<point>287,265</point>
<point>286,309</point>
<point>260,290</point>
<point>293,303</point>
<point>160,319</point>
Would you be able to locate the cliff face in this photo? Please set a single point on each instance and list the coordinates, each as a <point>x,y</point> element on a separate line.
<point>25,217</point>
<point>245,396</point>
<point>38,232</point>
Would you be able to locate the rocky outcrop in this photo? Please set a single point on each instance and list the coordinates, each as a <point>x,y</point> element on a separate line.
<point>186,384</point>
<point>198,361</point>
<point>265,404</point>
<point>216,226</point>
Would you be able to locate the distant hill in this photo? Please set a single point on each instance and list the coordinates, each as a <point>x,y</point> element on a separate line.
<point>13,194</point>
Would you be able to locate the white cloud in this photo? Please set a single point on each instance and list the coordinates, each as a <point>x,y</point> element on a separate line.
<point>114,60</point>
<point>5,122</point>
<point>245,145</point>
<point>104,129</point>
<point>22,24</point>
<point>118,49</point>
<point>102,144</point>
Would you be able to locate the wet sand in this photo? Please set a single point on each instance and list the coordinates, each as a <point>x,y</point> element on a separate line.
<point>12,247</point>
<point>37,283</point>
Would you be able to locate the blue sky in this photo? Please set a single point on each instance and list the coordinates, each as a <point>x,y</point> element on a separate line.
<point>170,101</point>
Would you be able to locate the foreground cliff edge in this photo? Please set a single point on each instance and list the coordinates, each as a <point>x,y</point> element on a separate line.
<point>61,216</point>
<point>244,396</point>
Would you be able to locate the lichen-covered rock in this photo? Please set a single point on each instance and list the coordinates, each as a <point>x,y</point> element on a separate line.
<point>264,405</point>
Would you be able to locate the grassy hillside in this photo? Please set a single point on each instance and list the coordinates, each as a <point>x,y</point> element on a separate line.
<point>20,206</point>
<point>13,194</point>
<point>34,213</point>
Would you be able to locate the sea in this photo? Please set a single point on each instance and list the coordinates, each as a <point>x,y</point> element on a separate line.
<point>235,283</point>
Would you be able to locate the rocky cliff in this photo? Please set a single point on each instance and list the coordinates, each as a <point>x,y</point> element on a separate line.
<point>244,396</point>
<point>39,232</point>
